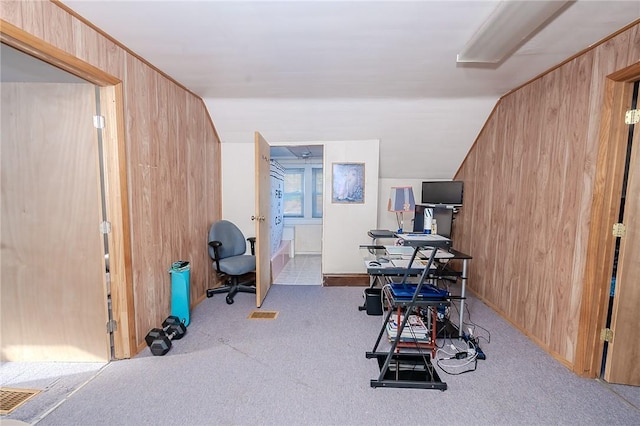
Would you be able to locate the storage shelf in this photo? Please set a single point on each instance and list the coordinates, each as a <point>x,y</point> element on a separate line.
<point>405,369</point>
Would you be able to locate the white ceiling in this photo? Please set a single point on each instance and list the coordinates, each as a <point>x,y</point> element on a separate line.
<point>308,71</point>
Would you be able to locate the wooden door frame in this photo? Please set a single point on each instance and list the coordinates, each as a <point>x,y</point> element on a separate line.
<point>612,148</point>
<point>117,201</point>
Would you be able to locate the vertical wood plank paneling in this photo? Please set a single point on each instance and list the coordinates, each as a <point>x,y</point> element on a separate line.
<point>11,11</point>
<point>619,50</point>
<point>468,244</point>
<point>547,193</point>
<point>174,191</point>
<point>197,149</point>
<point>496,219</point>
<point>529,104</point>
<point>538,155</point>
<point>60,32</point>
<point>575,158</point>
<point>512,157</point>
<point>504,214</point>
<point>32,14</point>
<point>144,183</point>
<point>481,189</point>
<point>90,46</point>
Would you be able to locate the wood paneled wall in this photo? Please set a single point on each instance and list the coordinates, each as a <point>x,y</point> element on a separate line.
<point>172,154</point>
<point>529,186</point>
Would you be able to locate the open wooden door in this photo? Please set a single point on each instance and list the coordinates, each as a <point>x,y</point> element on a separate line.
<point>624,349</point>
<point>53,293</point>
<point>262,219</point>
<point>110,143</point>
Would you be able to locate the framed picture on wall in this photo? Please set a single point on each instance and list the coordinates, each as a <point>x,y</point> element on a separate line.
<point>347,183</point>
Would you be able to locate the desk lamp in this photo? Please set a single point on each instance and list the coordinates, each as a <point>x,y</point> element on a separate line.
<point>401,200</point>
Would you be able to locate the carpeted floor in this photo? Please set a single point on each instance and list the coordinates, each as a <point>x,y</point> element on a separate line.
<point>308,367</point>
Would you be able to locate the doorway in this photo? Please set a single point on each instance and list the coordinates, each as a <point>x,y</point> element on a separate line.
<point>301,165</point>
<point>106,94</point>
<point>54,285</point>
<point>620,354</point>
<point>614,156</point>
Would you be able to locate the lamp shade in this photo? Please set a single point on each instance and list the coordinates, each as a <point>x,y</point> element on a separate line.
<point>401,199</point>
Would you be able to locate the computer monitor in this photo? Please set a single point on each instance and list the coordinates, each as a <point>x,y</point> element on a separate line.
<point>442,215</point>
<point>442,192</point>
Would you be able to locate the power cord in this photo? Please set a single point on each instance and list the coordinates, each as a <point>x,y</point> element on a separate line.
<point>474,341</point>
<point>463,358</point>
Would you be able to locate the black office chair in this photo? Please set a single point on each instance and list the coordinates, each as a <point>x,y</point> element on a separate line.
<point>227,248</point>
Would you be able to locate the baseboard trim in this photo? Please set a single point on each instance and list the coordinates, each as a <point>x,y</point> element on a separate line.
<point>346,280</point>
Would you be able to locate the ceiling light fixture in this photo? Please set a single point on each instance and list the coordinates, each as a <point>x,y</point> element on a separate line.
<point>511,23</point>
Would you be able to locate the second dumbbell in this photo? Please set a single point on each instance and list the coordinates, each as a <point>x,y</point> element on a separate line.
<point>159,339</point>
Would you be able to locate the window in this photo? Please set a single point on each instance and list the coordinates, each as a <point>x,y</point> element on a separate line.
<point>294,193</point>
<point>316,200</point>
<point>302,194</point>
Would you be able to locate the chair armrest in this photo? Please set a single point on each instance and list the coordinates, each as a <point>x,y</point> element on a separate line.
<point>252,241</point>
<point>216,257</point>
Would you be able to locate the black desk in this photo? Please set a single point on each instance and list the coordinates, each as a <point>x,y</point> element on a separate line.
<point>440,269</point>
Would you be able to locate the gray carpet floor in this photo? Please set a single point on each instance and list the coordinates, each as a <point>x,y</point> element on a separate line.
<point>308,367</point>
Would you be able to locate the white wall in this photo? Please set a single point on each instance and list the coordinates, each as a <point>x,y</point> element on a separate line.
<point>238,185</point>
<point>346,225</point>
<point>308,239</point>
<point>417,136</point>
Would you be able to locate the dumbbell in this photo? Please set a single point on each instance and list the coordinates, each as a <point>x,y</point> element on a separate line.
<point>159,339</point>
<point>166,326</point>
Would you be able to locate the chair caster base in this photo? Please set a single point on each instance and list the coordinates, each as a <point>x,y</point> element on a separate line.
<point>209,293</point>
<point>229,300</point>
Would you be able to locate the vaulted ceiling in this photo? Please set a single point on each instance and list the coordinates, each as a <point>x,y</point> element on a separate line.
<point>309,71</point>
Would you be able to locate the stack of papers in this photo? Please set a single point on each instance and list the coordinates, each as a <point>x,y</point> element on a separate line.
<point>414,330</point>
<point>440,254</point>
<point>399,250</point>
<point>424,238</point>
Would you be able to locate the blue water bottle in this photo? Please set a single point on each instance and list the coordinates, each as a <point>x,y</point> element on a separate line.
<point>180,275</point>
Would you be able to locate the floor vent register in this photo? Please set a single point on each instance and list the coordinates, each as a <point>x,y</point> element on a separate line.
<point>12,398</point>
<point>264,315</point>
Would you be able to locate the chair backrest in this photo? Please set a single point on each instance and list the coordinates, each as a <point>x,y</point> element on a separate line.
<point>232,239</point>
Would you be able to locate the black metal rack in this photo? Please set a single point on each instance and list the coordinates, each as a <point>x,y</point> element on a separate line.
<point>410,369</point>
